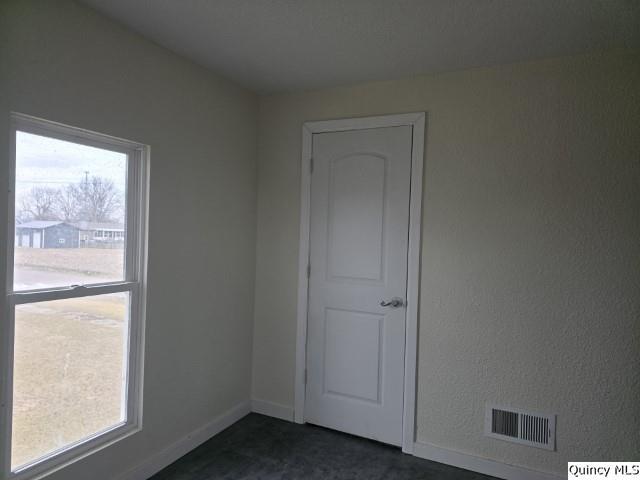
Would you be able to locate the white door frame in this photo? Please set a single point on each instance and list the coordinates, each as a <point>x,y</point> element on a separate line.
<point>417,121</point>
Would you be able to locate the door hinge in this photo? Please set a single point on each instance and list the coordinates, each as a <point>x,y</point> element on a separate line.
<point>305,376</point>
<point>311,164</point>
<point>309,270</point>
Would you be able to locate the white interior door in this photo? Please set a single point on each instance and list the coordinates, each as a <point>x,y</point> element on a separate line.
<point>360,191</point>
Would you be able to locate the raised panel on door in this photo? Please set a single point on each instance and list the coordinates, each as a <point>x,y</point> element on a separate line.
<point>352,354</point>
<point>358,251</point>
<point>356,217</point>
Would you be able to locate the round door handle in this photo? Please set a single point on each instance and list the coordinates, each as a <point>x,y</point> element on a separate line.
<point>395,302</point>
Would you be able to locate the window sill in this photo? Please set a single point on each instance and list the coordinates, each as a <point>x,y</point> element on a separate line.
<point>59,459</point>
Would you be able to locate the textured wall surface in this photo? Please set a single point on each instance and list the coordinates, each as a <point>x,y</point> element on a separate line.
<point>64,62</point>
<point>530,280</point>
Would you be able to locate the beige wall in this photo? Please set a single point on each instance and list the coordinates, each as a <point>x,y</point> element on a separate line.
<point>64,62</point>
<point>530,276</point>
<point>530,262</point>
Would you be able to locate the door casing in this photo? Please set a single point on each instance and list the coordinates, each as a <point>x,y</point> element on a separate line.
<point>418,122</point>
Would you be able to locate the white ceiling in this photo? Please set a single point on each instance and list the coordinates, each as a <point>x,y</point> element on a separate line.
<point>288,45</point>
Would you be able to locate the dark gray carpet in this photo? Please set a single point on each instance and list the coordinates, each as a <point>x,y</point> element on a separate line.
<point>259,447</point>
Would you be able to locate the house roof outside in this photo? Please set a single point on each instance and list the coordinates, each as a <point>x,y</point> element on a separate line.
<point>108,226</point>
<point>40,224</point>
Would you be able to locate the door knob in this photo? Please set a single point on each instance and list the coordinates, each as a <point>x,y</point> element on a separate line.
<point>395,302</point>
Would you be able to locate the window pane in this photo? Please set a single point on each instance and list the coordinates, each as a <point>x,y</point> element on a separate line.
<point>67,197</point>
<point>69,372</point>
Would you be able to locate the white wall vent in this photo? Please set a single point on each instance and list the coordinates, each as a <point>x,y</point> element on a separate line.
<point>518,426</point>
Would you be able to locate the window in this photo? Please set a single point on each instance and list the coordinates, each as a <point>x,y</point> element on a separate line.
<point>71,350</point>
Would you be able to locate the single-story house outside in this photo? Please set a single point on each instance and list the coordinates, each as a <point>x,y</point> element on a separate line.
<point>47,234</point>
<point>100,233</point>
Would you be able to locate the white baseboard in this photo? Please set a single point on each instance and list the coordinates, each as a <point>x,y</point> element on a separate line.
<point>272,409</point>
<point>478,464</point>
<point>173,452</point>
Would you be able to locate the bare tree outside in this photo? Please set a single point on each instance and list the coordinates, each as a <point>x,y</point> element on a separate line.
<point>99,200</point>
<point>94,199</point>
<point>39,203</point>
<point>67,207</point>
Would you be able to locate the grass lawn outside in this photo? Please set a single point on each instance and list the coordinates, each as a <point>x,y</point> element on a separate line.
<point>86,261</point>
<point>68,360</point>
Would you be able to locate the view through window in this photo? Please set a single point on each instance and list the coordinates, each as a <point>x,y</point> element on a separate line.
<point>72,293</point>
<point>68,372</point>
<point>69,213</point>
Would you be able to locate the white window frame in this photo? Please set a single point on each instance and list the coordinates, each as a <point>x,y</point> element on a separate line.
<point>134,283</point>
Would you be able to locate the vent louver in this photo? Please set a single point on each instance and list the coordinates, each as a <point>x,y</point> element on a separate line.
<point>526,428</point>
